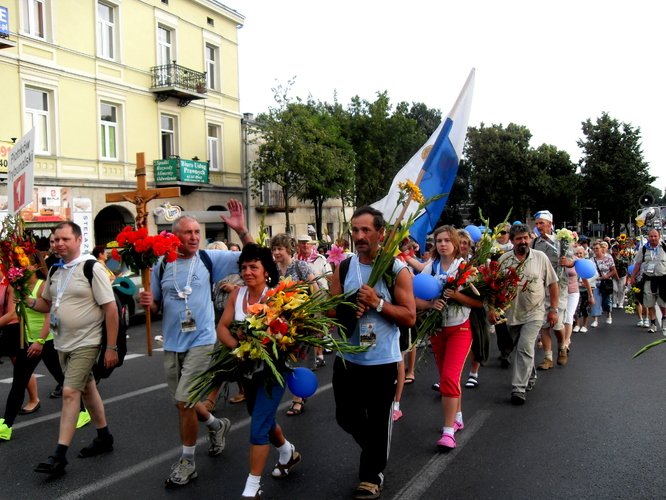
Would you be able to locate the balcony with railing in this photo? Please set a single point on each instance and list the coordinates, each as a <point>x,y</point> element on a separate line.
<point>272,200</point>
<point>173,80</point>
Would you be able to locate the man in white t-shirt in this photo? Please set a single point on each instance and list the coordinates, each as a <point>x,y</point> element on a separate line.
<point>77,309</point>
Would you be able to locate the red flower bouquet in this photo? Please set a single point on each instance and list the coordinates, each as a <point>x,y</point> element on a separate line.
<point>139,251</point>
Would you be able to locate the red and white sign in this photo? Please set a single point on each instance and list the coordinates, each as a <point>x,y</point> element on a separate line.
<point>20,173</point>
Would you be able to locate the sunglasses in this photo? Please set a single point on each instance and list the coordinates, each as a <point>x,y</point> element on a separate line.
<point>502,233</point>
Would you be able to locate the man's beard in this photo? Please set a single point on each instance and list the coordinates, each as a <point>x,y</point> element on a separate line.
<point>520,249</point>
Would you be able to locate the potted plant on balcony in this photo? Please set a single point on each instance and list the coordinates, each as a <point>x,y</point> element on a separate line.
<point>201,87</point>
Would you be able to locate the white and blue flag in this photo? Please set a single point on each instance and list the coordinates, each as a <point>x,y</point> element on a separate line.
<point>438,158</point>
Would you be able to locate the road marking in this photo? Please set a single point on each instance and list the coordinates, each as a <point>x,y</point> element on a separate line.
<point>127,356</point>
<point>423,480</point>
<point>56,415</point>
<point>10,379</point>
<point>167,456</point>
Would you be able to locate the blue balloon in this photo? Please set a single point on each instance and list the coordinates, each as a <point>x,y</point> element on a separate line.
<point>585,268</point>
<point>631,268</point>
<point>426,286</point>
<point>474,232</point>
<point>302,382</point>
<point>516,222</point>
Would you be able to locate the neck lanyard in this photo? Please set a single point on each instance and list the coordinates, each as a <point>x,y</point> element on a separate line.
<point>60,286</point>
<point>358,271</point>
<point>187,289</point>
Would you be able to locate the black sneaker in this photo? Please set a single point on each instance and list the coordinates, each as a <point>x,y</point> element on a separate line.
<point>97,447</point>
<point>53,466</point>
<point>517,398</point>
<point>56,393</point>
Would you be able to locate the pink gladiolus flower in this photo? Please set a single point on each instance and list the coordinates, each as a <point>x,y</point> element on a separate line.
<point>335,255</point>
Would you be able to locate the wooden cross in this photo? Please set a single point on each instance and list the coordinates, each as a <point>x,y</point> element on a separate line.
<point>142,195</point>
<point>140,198</point>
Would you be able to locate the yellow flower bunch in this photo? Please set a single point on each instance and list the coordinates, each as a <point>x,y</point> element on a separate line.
<point>275,334</point>
<point>412,190</point>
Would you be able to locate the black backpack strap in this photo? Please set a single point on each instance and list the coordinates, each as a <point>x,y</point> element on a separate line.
<point>344,267</point>
<point>88,270</point>
<point>205,259</point>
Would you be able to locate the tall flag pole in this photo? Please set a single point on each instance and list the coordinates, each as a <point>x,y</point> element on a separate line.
<point>434,167</point>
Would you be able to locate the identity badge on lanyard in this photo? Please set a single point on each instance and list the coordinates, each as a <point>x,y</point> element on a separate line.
<point>366,326</point>
<point>187,321</point>
<point>60,291</point>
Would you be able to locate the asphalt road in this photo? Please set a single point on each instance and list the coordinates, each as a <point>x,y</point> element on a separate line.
<point>592,429</point>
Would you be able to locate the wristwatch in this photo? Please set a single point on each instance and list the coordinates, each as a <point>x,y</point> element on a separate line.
<point>112,347</point>
<point>40,341</point>
<point>380,306</point>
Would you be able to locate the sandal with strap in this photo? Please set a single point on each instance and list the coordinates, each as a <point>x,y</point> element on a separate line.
<point>296,408</point>
<point>282,470</point>
<point>472,382</point>
<point>367,490</point>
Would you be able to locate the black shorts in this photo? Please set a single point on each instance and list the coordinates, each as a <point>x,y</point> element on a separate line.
<point>405,338</point>
<point>10,340</point>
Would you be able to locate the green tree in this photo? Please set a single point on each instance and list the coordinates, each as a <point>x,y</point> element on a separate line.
<point>614,174</point>
<point>331,162</point>
<point>384,140</point>
<point>559,184</point>
<point>503,173</point>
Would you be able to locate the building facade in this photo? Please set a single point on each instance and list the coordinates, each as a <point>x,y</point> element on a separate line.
<point>100,81</point>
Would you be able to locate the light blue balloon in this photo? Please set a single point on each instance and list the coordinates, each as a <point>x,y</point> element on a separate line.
<point>474,232</point>
<point>585,268</point>
<point>426,286</point>
<point>631,268</point>
<point>516,222</point>
<point>302,382</point>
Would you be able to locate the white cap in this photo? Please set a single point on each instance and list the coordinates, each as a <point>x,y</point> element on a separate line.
<point>545,215</point>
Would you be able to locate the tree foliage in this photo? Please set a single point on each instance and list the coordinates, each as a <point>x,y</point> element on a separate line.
<point>384,140</point>
<point>614,174</point>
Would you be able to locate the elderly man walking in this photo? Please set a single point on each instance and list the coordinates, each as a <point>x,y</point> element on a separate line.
<point>651,261</point>
<point>547,243</point>
<point>525,316</point>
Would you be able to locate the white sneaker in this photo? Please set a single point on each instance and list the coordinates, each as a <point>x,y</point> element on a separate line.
<point>595,323</point>
<point>583,330</point>
<point>652,329</point>
<point>576,329</point>
<point>646,323</point>
<point>663,331</point>
<point>609,320</point>
<point>640,323</point>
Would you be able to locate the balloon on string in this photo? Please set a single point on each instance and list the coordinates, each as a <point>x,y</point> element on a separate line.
<point>585,268</point>
<point>426,286</point>
<point>516,222</point>
<point>474,232</point>
<point>631,268</point>
<point>302,382</point>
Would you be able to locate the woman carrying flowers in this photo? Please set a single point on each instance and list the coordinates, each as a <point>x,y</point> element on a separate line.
<point>38,346</point>
<point>262,392</point>
<point>603,297</point>
<point>451,343</point>
<point>283,248</point>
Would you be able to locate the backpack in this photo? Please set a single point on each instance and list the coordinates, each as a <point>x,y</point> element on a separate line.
<point>99,370</point>
<point>205,260</point>
<point>663,247</point>
<point>346,314</point>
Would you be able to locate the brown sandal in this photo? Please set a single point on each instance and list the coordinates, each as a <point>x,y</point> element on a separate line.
<point>296,408</point>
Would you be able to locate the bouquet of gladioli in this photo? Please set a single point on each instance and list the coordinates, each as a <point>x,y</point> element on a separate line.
<point>15,247</point>
<point>275,334</point>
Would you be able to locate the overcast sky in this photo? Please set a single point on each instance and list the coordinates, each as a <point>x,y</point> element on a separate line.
<point>542,64</point>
